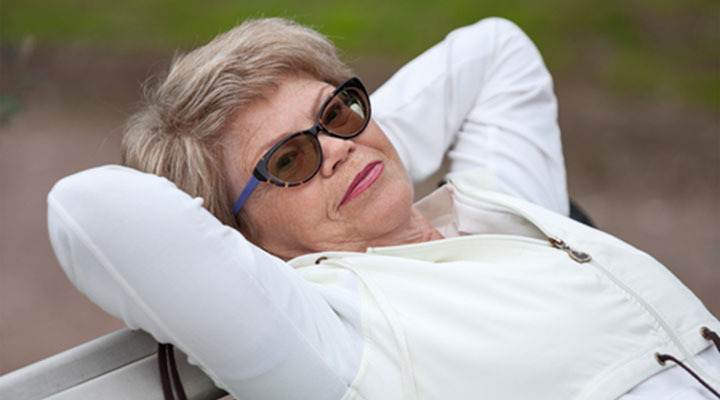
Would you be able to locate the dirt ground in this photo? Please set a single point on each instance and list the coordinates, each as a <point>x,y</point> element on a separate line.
<point>646,170</point>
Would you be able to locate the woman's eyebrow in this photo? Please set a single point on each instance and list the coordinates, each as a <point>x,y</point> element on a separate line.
<point>322,95</point>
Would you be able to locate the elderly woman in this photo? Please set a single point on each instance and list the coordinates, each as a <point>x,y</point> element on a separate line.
<point>313,275</point>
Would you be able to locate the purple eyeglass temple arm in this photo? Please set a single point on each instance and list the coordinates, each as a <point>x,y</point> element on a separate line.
<point>251,185</point>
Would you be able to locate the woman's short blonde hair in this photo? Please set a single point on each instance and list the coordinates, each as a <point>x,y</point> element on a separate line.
<point>179,129</point>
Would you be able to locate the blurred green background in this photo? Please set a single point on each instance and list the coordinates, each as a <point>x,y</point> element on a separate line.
<point>660,48</point>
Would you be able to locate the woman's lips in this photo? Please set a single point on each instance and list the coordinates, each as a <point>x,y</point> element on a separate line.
<point>363,180</point>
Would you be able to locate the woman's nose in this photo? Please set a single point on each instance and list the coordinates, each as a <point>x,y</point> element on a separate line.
<point>335,152</point>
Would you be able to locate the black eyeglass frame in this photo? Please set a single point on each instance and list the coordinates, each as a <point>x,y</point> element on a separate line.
<point>260,172</point>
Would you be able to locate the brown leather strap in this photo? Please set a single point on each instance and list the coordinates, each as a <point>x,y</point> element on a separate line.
<point>708,334</point>
<point>662,358</point>
<point>166,356</point>
<point>162,366</point>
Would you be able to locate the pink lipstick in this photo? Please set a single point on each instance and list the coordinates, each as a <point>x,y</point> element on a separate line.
<point>363,180</point>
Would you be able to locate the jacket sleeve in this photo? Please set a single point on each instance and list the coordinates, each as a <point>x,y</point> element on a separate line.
<point>152,256</point>
<point>484,95</point>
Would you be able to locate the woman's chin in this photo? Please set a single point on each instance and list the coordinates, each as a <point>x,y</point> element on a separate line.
<point>387,211</point>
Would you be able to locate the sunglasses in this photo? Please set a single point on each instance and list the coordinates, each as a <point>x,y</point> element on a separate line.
<point>296,158</point>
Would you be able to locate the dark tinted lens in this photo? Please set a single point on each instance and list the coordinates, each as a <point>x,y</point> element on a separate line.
<point>346,113</point>
<point>295,160</point>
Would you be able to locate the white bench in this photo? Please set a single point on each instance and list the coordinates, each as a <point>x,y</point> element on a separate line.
<point>120,365</point>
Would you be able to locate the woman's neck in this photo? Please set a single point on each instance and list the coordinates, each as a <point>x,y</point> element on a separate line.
<point>416,230</point>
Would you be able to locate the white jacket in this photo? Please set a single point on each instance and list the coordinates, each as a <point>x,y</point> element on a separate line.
<point>504,314</point>
<point>510,314</point>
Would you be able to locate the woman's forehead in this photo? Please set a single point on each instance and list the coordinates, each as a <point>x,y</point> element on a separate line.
<point>293,106</point>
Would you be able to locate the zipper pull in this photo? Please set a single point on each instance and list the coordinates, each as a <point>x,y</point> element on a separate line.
<point>579,256</point>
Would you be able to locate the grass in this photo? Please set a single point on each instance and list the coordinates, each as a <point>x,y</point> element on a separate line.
<point>649,47</point>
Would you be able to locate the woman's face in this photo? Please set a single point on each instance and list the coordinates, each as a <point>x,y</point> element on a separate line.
<point>360,194</point>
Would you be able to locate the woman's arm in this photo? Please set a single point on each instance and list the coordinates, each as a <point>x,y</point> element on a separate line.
<point>150,255</point>
<point>485,95</point>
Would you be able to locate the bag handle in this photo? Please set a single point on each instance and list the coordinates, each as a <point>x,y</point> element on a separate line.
<point>166,356</point>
